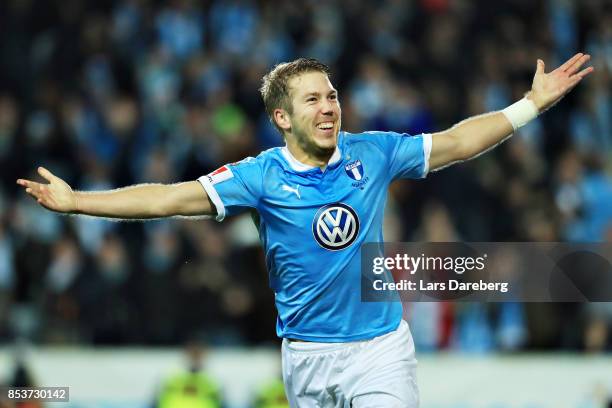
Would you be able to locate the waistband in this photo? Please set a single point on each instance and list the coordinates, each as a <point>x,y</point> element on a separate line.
<point>313,346</point>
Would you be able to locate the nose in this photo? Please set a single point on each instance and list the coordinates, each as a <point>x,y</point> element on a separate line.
<point>327,107</point>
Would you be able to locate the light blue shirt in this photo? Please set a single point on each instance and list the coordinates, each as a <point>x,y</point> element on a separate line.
<point>312,223</point>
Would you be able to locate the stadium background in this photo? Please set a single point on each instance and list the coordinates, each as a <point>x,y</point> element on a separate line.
<point>111,93</point>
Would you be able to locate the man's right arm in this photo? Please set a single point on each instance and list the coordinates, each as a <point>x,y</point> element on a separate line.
<point>141,201</point>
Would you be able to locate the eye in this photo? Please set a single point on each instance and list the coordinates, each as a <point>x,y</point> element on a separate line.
<point>311,99</point>
<point>333,97</point>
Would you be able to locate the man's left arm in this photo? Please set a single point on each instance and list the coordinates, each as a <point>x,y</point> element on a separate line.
<point>478,134</point>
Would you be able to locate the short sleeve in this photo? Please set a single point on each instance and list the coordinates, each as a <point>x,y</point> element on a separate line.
<point>234,187</point>
<point>407,155</point>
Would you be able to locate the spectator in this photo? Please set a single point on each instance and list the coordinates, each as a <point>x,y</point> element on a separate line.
<point>191,388</point>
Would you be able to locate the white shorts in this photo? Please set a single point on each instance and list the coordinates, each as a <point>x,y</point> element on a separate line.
<point>380,372</point>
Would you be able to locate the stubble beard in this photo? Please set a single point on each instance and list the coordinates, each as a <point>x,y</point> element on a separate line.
<point>310,146</point>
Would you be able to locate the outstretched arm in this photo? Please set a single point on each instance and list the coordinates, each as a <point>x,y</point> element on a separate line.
<point>135,202</point>
<point>476,135</point>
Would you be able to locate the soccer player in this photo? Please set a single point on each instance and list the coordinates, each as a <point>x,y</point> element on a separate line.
<point>316,200</point>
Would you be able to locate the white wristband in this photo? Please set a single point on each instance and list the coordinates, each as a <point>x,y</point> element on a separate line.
<point>521,112</point>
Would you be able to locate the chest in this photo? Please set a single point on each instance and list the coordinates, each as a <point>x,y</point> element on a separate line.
<point>352,182</point>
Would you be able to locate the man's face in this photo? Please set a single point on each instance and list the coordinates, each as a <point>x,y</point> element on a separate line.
<point>315,120</point>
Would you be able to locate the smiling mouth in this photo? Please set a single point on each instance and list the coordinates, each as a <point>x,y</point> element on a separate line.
<point>325,126</point>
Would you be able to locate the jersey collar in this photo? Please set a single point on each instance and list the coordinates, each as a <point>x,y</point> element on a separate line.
<point>297,165</point>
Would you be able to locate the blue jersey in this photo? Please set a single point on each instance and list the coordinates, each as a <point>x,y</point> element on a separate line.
<point>312,223</point>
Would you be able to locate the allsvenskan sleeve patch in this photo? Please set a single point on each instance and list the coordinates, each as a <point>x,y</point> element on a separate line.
<point>223,173</point>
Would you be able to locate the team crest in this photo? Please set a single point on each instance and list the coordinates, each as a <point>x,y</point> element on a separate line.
<point>354,170</point>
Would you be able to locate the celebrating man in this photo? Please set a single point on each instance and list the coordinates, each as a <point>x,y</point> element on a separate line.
<point>316,201</point>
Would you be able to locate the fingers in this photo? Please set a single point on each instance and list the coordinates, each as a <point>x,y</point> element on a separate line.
<point>575,80</point>
<point>31,191</point>
<point>33,188</point>
<point>44,194</point>
<point>540,67</point>
<point>584,72</point>
<point>577,64</point>
<point>46,174</point>
<point>38,193</point>
<point>570,62</point>
<point>24,182</point>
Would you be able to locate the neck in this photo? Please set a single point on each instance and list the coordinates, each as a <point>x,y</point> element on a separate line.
<point>316,157</point>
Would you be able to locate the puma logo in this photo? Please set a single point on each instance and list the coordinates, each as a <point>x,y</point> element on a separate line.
<point>290,189</point>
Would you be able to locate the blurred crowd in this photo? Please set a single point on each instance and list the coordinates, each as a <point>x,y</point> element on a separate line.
<point>116,92</point>
<point>189,385</point>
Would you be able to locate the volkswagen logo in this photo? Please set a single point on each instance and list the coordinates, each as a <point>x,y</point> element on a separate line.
<point>335,226</point>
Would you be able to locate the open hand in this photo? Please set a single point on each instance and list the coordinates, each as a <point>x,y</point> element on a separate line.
<point>55,196</point>
<point>548,89</point>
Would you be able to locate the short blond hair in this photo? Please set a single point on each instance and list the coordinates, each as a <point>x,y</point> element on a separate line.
<point>275,84</point>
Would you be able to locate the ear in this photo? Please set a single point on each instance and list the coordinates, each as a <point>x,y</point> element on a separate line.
<point>282,119</point>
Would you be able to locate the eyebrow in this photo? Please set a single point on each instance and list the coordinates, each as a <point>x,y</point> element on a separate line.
<point>319,94</point>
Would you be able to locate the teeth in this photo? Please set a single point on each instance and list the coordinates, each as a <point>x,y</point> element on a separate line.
<point>326,125</point>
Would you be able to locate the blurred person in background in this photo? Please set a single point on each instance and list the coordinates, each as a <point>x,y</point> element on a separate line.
<point>271,395</point>
<point>192,388</point>
<point>319,308</point>
<point>23,377</point>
